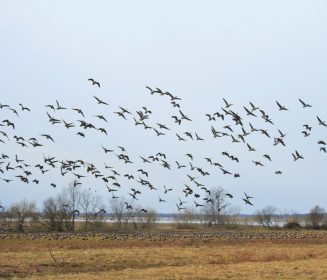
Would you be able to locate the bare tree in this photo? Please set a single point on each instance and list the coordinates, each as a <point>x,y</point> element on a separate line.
<point>20,212</point>
<point>267,216</point>
<point>144,219</point>
<point>55,214</point>
<point>85,204</point>
<point>216,207</point>
<point>118,210</point>
<point>3,217</point>
<point>187,218</point>
<point>317,217</point>
<point>121,212</point>
<point>72,196</point>
<point>98,212</point>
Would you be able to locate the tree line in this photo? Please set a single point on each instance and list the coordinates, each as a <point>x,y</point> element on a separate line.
<point>78,209</point>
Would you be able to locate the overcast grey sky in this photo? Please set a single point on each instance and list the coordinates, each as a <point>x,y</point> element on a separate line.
<point>201,51</point>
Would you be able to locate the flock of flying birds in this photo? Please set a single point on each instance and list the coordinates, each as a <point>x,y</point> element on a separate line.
<point>17,168</point>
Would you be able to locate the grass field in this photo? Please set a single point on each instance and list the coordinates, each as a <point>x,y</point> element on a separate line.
<point>96,258</point>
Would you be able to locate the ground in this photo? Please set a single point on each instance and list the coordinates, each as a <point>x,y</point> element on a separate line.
<point>138,256</point>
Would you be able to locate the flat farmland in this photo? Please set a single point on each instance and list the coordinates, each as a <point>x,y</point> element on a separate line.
<point>178,255</point>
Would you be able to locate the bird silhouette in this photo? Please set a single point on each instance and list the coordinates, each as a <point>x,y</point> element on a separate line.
<point>321,122</point>
<point>305,105</point>
<point>94,82</point>
<point>100,101</point>
<point>280,107</point>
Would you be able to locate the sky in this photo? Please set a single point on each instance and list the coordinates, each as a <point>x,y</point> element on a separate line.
<point>202,52</point>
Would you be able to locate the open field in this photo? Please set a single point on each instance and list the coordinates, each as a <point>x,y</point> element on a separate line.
<point>183,255</point>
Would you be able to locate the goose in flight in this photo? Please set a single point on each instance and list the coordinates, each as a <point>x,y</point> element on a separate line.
<point>248,112</point>
<point>265,132</point>
<point>297,156</point>
<point>14,111</point>
<point>321,122</point>
<point>9,123</point>
<point>129,177</point>
<point>145,160</point>
<point>167,190</point>
<point>250,148</point>
<point>78,110</point>
<point>161,155</point>
<point>180,138</point>
<point>59,107</point>
<point>94,82</point>
<point>279,141</point>
<point>120,114</point>
<point>128,206</point>
<point>198,138</point>
<point>107,150</point>
<point>143,172</point>
<point>267,157</point>
<point>227,105</point>
<point>125,111</point>
<point>24,108</point>
<point>177,120</point>
<point>197,204</point>
<point>190,156</point>
<point>253,107</point>
<point>162,126</point>
<point>210,118</point>
<point>133,196</point>
<point>179,166</point>
<point>159,133</point>
<point>229,195</point>
<point>6,180</point>
<point>48,137</point>
<point>100,101</point>
<point>100,211</point>
<point>280,107</point>
<point>189,134</point>
<point>307,127</point>
<point>184,117</point>
<point>247,199</point>
<point>247,196</point>
<point>68,125</point>
<point>179,207</point>
<point>175,104</point>
<point>172,97</point>
<point>282,135</point>
<point>305,105</point>
<point>253,129</point>
<point>257,163</point>
<point>305,133</point>
<point>152,92</point>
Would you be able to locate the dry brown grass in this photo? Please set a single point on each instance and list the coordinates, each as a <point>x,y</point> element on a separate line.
<point>170,259</point>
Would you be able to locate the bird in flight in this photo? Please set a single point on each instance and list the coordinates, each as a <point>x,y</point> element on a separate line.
<point>94,82</point>
<point>281,108</point>
<point>305,105</point>
<point>24,108</point>
<point>321,122</point>
<point>48,137</point>
<point>247,199</point>
<point>100,101</point>
<point>227,105</point>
